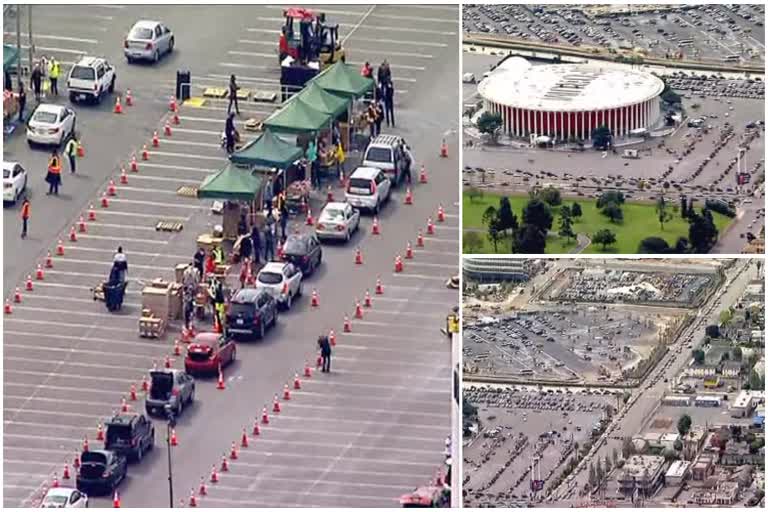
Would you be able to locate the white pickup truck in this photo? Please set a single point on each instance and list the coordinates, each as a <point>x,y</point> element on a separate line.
<point>90,79</point>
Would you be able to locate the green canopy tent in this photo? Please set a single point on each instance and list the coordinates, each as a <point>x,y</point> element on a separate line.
<point>268,150</point>
<point>297,116</point>
<point>343,80</point>
<point>324,101</point>
<point>10,57</point>
<point>231,184</point>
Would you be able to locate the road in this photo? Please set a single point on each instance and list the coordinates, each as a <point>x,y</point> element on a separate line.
<point>361,436</point>
<point>648,397</point>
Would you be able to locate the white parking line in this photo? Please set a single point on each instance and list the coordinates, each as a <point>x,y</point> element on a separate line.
<point>142,215</point>
<point>333,456</point>
<point>253,503</point>
<point>108,263</point>
<point>390,325</point>
<point>84,236</point>
<point>190,181</point>
<point>390,387</point>
<point>110,316</point>
<point>62,324</point>
<point>247,78</point>
<point>56,38</point>
<point>441,240</point>
<point>150,191</point>
<point>399,350</point>
<point>411,263</point>
<point>187,155</point>
<point>215,133</point>
<point>137,253</point>
<point>367,27</point>
<point>397,54</point>
<point>38,411</point>
<point>63,299</point>
<point>89,339</point>
<point>60,400</point>
<point>252,54</point>
<point>288,466</point>
<point>178,168</point>
<point>386,16</point>
<point>355,433</point>
<point>58,388</point>
<point>191,143</point>
<point>56,50</point>
<point>377,311</point>
<point>338,445</point>
<point>94,225</point>
<point>419,276</point>
<point>293,406</point>
<point>154,203</point>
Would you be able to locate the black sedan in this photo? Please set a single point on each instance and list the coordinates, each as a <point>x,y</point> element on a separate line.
<point>304,251</point>
<point>101,470</point>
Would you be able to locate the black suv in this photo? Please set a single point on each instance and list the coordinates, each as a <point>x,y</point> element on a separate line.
<point>251,311</point>
<point>131,434</point>
<point>101,470</point>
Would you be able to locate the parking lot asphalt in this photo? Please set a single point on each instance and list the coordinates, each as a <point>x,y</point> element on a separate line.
<point>702,32</point>
<point>361,436</point>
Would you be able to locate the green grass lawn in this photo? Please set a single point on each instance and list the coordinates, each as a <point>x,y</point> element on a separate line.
<point>640,221</point>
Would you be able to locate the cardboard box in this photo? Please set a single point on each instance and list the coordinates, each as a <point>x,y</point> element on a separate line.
<point>157,300</point>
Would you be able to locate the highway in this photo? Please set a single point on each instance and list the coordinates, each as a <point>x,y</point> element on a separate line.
<point>362,435</point>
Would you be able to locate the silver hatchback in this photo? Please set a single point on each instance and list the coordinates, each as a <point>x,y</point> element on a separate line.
<point>148,40</point>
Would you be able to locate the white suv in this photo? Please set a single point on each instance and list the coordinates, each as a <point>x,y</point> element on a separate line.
<point>14,182</point>
<point>391,154</point>
<point>368,188</point>
<point>91,78</point>
<point>281,280</point>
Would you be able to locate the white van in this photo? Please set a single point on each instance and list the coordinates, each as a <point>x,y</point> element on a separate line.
<point>391,154</point>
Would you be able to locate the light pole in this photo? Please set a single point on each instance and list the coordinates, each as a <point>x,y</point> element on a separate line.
<point>170,425</point>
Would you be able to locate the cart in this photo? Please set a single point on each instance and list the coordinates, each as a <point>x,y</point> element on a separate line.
<point>151,326</point>
<point>297,197</point>
<point>112,295</point>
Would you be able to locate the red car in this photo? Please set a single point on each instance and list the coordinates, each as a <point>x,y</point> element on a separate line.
<point>207,352</point>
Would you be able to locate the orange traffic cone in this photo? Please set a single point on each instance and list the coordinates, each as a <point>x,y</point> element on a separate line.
<point>315,300</point>
<point>116,500</point>
<point>72,235</point>
<point>443,149</point>
<point>104,200</point>
<point>167,129</point>
<point>76,461</point>
<point>174,438</point>
<point>60,248</point>
<point>155,140</point>
<point>66,475</point>
<point>332,338</point>
<point>111,188</point>
<point>440,214</point>
<point>118,106</point>
<point>286,392</point>
<point>276,405</point>
<point>375,228</point>
<point>256,429</point>
<point>172,105</point>
<point>134,164</point>
<point>85,444</point>
<point>347,324</point>
<point>398,263</point>
<point>264,417</point>
<point>133,395</point>
<point>145,384</point>
<point>367,300</point>
<point>408,251</point>
<point>144,152</point>
<point>8,309</point>
<point>430,227</point>
<point>123,176</point>
<point>128,98</point>
<point>296,381</point>
<point>310,220</point>
<point>420,240</point>
<point>39,273</point>
<point>48,260</point>
<point>99,433</point>
<point>123,405</point>
<point>29,286</point>
<point>17,296</point>
<point>244,439</point>
<point>55,482</point>
<point>220,384</point>
<point>307,370</point>
<point>202,490</point>
<point>319,362</point>
<point>192,499</point>
<point>91,214</point>
<point>329,194</point>
<point>214,475</point>
<point>176,120</point>
<point>358,257</point>
<point>408,196</point>
<point>176,348</point>
<point>224,464</point>
<point>422,175</point>
<point>167,362</point>
<point>81,227</point>
<point>80,150</point>
<point>358,310</point>
<point>379,287</point>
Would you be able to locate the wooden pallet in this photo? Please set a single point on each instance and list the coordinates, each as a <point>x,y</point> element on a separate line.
<point>242,94</point>
<point>264,96</point>
<point>187,191</point>
<point>215,92</point>
<point>165,225</point>
<point>252,125</point>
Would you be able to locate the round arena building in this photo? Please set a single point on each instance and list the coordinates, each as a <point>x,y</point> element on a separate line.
<point>567,101</point>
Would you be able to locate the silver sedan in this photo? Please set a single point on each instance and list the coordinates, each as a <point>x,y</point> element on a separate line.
<point>148,40</point>
<point>337,221</point>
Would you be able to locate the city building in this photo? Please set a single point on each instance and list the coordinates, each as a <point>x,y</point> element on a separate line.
<point>677,400</point>
<point>642,474</point>
<point>726,493</point>
<point>570,100</point>
<point>743,404</point>
<point>731,369</point>
<point>738,453</point>
<point>668,440</point>
<point>703,466</point>
<point>487,270</point>
<point>677,473</point>
<point>693,441</point>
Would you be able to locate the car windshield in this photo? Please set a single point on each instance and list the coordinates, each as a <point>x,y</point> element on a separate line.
<point>379,155</point>
<point>334,214</point>
<point>295,246</point>
<point>83,73</point>
<point>45,117</point>
<point>140,33</point>
<point>59,500</point>
<point>270,278</point>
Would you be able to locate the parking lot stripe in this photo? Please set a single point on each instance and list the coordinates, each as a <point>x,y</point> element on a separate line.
<point>153,203</point>
<point>350,433</point>
<point>56,50</point>
<point>56,38</point>
<point>69,273</point>
<point>121,226</point>
<point>380,337</point>
<point>385,16</point>
<point>246,78</point>
<point>42,399</point>
<point>376,311</point>
<point>432,265</point>
<point>62,324</point>
<point>82,338</point>
<point>57,388</point>
<point>68,312</point>
<point>318,456</point>
<point>367,27</point>
<point>195,181</point>
<point>344,445</point>
<point>445,391</point>
<point>69,248</point>
<point>430,364</point>
<point>188,155</point>
<point>17,461</point>
<point>64,299</point>
<point>347,407</point>
<point>389,324</point>
<point>441,240</point>
<point>37,411</point>
<point>215,133</point>
<point>78,350</point>
<point>419,276</point>
<point>177,167</point>
<point>142,215</point>
<point>74,363</point>
<point>251,503</point>
<point>191,143</point>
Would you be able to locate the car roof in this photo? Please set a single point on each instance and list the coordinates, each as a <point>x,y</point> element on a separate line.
<point>49,107</point>
<point>247,294</point>
<point>60,491</point>
<point>9,165</point>
<point>203,338</point>
<point>123,418</point>
<point>304,236</point>
<point>386,140</point>
<point>89,62</point>
<point>365,173</point>
<point>146,24</point>
<point>164,370</point>
<point>335,206</point>
<point>274,266</point>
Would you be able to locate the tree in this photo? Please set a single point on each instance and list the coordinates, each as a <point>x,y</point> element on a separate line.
<point>472,242</point>
<point>756,380</point>
<point>684,424</point>
<point>474,193</point>
<point>576,210</point>
<point>663,214</point>
<point>601,137</point>
<point>507,218</point>
<point>566,227</point>
<point>726,316</point>
<point>670,96</point>
<point>605,237</point>
<point>612,196</point>
<point>489,124</point>
<point>529,239</point>
<point>565,211</point>
<point>653,245</point>
<point>494,233</point>
<point>613,212</point>
<point>551,196</point>
<point>702,231</point>
<point>681,246</point>
<point>538,214</point>
<point>698,356</point>
<point>489,215</point>
<point>678,445</point>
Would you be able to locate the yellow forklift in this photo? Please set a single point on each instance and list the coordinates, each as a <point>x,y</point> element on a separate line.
<point>309,38</point>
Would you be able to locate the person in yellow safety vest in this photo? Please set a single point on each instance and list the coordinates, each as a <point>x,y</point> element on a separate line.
<point>54,70</point>
<point>218,255</point>
<point>340,158</point>
<point>71,151</point>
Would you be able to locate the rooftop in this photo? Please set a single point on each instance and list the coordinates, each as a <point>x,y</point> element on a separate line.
<point>678,469</point>
<point>567,87</point>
